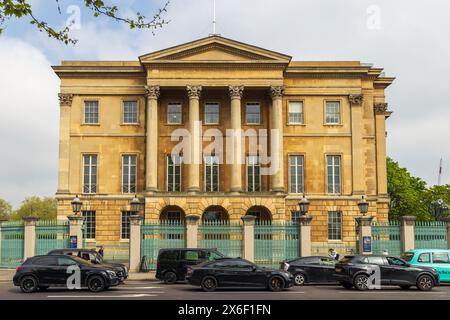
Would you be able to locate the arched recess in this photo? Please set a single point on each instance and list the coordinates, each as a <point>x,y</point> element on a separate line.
<point>261,213</point>
<point>172,214</point>
<point>215,213</point>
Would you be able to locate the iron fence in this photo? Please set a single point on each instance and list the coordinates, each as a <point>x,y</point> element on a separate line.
<point>12,244</point>
<point>386,238</point>
<point>225,236</point>
<point>51,234</point>
<point>430,235</point>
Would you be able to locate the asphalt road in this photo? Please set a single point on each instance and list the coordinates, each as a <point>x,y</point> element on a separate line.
<point>154,290</point>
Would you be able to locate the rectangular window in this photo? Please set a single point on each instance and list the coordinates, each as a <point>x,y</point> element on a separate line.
<point>129,169</point>
<point>90,173</point>
<point>211,174</point>
<point>91,112</point>
<point>212,113</point>
<point>333,112</point>
<point>253,113</point>
<point>295,112</point>
<point>253,174</point>
<point>125,225</point>
<point>174,113</point>
<point>173,173</point>
<point>334,225</point>
<point>296,174</point>
<point>334,174</point>
<point>89,224</point>
<point>130,112</point>
<point>295,217</point>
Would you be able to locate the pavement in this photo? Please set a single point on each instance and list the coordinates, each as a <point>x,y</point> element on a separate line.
<point>155,290</point>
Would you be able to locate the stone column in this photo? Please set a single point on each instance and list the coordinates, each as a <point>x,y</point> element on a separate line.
<point>365,233</point>
<point>407,232</point>
<point>236,168</point>
<point>447,220</point>
<point>151,148</point>
<point>277,150</point>
<point>248,240</point>
<point>194,130</point>
<point>29,237</point>
<point>76,229</point>
<point>356,109</point>
<point>192,231</point>
<point>65,103</point>
<point>381,113</point>
<point>135,242</point>
<point>305,235</point>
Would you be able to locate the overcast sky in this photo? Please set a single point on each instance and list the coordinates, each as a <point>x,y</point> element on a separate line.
<point>409,40</point>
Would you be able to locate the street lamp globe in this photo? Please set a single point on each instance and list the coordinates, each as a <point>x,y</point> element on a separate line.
<point>363,206</point>
<point>135,204</point>
<point>76,204</point>
<point>304,206</point>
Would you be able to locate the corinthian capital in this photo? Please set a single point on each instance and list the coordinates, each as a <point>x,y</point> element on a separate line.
<point>236,92</point>
<point>194,91</point>
<point>380,108</point>
<point>356,99</point>
<point>152,92</point>
<point>65,99</point>
<point>276,91</point>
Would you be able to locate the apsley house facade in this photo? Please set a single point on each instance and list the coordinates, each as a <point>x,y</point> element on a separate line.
<point>319,128</point>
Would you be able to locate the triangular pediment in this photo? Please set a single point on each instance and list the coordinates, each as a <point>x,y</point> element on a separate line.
<point>215,49</point>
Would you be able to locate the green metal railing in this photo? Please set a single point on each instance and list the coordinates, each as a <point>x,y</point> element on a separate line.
<point>12,244</point>
<point>158,235</point>
<point>276,241</point>
<point>225,236</point>
<point>386,238</point>
<point>51,234</point>
<point>430,235</point>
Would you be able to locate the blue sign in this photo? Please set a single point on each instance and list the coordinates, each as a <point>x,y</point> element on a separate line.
<point>73,242</point>
<point>367,244</point>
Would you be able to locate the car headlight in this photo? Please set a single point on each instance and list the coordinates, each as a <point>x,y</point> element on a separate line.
<point>286,266</point>
<point>111,274</point>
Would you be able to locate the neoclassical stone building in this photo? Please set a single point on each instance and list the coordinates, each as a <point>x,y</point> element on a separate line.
<point>118,119</point>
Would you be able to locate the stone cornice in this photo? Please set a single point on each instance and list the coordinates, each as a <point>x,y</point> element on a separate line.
<point>194,92</point>
<point>65,99</point>
<point>236,92</point>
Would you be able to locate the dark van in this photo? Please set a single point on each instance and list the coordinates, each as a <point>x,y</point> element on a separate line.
<point>172,263</point>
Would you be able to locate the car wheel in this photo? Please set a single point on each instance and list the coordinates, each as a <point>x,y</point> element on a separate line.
<point>361,282</point>
<point>209,284</point>
<point>347,285</point>
<point>276,284</point>
<point>170,277</point>
<point>96,284</point>
<point>425,283</point>
<point>299,279</point>
<point>405,287</point>
<point>28,284</point>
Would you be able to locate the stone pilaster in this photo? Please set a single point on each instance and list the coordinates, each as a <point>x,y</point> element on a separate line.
<point>407,232</point>
<point>29,237</point>
<point>248,241</point>
<point>365,233</point>
<point>447,220</point>
<point>236,167</point>
<point>135,242</point>
<point>65,102</point>
<point>192,231</point>
<point>151,147</point>
<point>194,93</point>
<point>381,113</point>
<point>305,235</point>
<point>76,228</point>
<point>356,102</point>
<point>277,151</point>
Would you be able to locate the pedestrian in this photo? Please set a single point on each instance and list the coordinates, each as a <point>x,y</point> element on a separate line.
<point>101,251</point>
<point>333,254</point>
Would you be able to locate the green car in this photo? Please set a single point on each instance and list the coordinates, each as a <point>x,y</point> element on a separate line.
<point>438,259</point>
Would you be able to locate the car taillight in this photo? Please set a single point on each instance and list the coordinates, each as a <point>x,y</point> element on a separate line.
<point>19,268</point>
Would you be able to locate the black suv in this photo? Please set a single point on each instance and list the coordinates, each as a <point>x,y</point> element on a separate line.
<point>42,272</point>
<point>172,263</point>
<point>362,272</point>
<point>92,256</point>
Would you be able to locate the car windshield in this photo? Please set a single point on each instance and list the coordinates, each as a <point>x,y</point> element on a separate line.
<point>407,256</point>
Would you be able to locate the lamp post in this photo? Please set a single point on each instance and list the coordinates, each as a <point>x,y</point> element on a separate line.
<point>304,206</point>
<point>363,206</point>
<point>135,205</point>
<point>76,205</point>
<point>439,208</point>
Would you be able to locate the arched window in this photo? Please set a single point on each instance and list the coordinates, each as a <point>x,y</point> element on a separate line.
<point>261,214</point>
<point>215,213</point>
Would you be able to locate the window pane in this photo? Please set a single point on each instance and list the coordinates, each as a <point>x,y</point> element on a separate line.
<point>295,112</point>
<point>129,173</point>
<point>89,173</point>
<point>174,113</point>
<point>334,174</point>
<point>253,174</point>
<point>173,173</point>
<point>89,223</point>
<point>333,112</point>
<point>211,113</point>
<point>253,113</point>
<point>334,225</point>
<point>125,224</point>
<point>296,174</point>
<point>130,112</point>
<point>91,112</point>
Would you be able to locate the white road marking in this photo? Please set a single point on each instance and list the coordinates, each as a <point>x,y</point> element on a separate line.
<point>396,292</point>
<point>263,292</point>
<point>136,288</point>
<point>140,295</point>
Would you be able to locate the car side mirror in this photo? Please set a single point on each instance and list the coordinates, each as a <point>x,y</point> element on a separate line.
<point>254,268</point>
